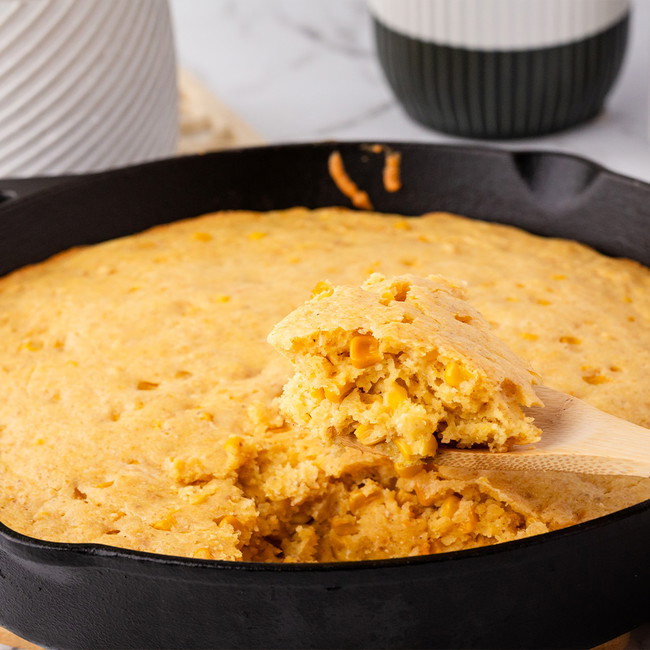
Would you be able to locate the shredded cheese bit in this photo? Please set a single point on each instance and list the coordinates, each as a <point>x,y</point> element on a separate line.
<point>392,174</point>
<point>345,184</point>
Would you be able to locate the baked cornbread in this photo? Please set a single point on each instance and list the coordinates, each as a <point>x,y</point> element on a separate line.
<point>140,396</point>
<point>399,364</point>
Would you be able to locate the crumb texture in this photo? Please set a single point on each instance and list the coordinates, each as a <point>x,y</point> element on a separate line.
<point>400,364</point>
<point>141,399</point>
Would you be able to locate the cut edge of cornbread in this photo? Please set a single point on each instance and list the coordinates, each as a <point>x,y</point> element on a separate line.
<point>399,365</point>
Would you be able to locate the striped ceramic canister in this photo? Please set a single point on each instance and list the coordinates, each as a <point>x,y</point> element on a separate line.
<point>501,68</point>
<point>85,85</point>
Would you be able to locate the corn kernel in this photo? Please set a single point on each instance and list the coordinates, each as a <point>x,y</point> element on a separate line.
<point>449,506</point>
<point>322,288</point>
<point>368,435</point>
<point>336,393</point>
<point>203,553</point>
<point>628,299</point>
<point>364,351</point>
<point>233,444</point>
<point>198,499</point>
<point>396,395</point>
<point>147,385</point>
<point>424,498</point>
<point>40,441</point>
<point>543,302</point>
<point>528,336</point>
<point>222,298</point>
<point>32,346</point>
<point>202,236</point>
<point>402,224</point>
<point>426,446</point>
<point>594,380</point>
<point>559,276</point>
<point>257,235</point>
<point>455,374</point>
<point>104,484</point>
<point>403,446</point>
<point>230,520</point>
<point>165,523</point>
<point>332,394</point>
<point>572,340</point>
<point>208,417</point>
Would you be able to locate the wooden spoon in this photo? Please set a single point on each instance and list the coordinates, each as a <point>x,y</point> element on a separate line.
<point>576,437</point>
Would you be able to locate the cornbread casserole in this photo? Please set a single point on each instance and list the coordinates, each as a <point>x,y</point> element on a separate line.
<point>399,363</point>
<point>140,396</point>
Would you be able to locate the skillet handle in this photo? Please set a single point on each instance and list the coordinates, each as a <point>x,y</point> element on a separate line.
<point>18,188</point>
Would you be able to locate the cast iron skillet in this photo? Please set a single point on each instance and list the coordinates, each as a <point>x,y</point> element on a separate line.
<point>572,588</point>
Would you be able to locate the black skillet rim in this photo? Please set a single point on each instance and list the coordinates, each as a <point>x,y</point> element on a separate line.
<point>54,186</point>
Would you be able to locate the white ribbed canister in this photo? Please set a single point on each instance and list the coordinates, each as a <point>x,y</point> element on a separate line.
<point>85,85</point>
<point>499,24</point>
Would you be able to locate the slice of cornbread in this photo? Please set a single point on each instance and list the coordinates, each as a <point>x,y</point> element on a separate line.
<point>401,364</point>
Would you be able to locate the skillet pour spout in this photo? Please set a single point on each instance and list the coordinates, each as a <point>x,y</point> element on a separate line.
<point>573,588</point>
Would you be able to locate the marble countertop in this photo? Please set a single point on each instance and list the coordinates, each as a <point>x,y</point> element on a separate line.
<point>304,71</point>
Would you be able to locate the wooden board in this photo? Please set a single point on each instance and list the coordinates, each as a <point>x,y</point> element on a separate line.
<point>9,639</point>
<point>206,123</point>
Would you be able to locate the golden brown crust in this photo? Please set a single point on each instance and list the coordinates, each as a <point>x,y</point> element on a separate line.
<point>140,395</point>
